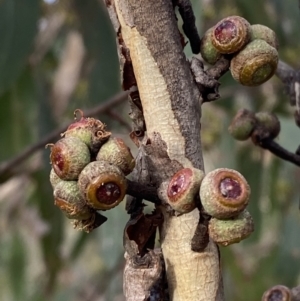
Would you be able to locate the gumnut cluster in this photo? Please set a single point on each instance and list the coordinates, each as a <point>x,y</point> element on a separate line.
<point>258,126</point>
<point>224,194</point>
<point>88,171</point>
<point>252,49</point>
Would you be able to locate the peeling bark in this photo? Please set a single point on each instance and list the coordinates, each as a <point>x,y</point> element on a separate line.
<point>171,108</point>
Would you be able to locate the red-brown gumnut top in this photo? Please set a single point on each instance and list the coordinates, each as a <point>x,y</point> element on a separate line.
<point>78,124</point>
<point>58,159</point>
<point>224,193</point>
<point>231,34</point>
<point>82,122</point>
<point>278,293</point>
<point>89,130</point>
<point>225,32</point>
<point>108,193</point>
<point>179,184</point>
<point>230,188</point>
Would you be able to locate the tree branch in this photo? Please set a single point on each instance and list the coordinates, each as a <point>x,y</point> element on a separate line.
<point>170,101</point>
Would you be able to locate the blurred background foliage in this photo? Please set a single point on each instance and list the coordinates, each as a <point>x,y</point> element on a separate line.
<point>56,56</point>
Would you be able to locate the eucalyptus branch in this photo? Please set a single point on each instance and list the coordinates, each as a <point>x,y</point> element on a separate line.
<point>170,101</point>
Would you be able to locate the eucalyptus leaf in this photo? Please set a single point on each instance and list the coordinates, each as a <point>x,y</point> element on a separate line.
<point>17,267</point>
<point>18,26</point>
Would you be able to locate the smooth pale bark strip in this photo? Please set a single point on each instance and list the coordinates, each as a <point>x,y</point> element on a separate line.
<point>191,275</point>
<point>171,106</point>
<point>170,98</point>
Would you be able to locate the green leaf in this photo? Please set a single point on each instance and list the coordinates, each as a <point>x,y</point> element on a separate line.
<point>18,26</point>
<point>17,264</point>
<point>52,240</point>
<point>18,115</point>
<point>100,41</point>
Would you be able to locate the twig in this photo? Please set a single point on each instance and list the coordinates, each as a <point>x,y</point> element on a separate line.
<point>278,150</point>
<point>189,24</point>
<point>207,80</point>
<point>219,68</point>
<point>31,149</point>
<point>119,118</point>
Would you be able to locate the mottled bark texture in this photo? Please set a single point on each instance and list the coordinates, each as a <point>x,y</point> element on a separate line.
<point>153,62</point>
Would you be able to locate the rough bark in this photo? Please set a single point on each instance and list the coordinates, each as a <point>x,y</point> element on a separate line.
<point>171,106</point>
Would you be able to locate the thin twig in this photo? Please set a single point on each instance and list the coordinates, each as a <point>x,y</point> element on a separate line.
<point>119,118</point>
<point>279,151</point>
<point>31,149</point>
<point>189,24</point>
<point>219,68</point>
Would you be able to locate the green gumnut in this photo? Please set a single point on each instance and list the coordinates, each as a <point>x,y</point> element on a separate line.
<point>208,51</point>
<point>69,156</point>
<point>69,199</point>
<point>116,152</point>
<point>242,125</point>
<point>230,231</point>
<point>89,130</point>
<point>269,122</point>
<point>54,178</point>
<point>259,31</point>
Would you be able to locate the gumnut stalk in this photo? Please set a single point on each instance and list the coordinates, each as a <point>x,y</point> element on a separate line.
<point>103,185</point>
<point>269,123</point>
<point>69,199</point>
<point>278,293</point>
<point>90,130</point>
<point>116,152</point>
<point>208,51</point>
<point>183,189</point>
<point>242,125</point>
<point>230,231</point>
<point>68,157</point>
<point>231,34</point>
<point>259,31</point>
<point>255,64</point>
<point>224,193</point>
